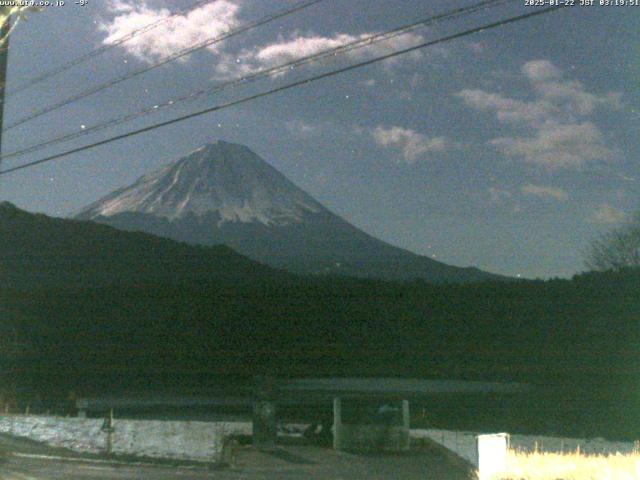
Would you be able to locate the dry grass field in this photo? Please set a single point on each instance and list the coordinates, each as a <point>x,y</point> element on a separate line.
<point>570,466</point>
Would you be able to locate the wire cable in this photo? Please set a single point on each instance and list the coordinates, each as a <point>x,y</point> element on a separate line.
<point>99,51</point>
<point>288,86</point>
<point>266,72</point>
<point>175,56</point>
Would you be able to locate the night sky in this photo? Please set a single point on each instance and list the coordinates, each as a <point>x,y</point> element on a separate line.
<point>508,150</point>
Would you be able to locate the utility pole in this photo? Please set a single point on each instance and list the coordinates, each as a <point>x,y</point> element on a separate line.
<point>6,362</point>
<point>4,57</point>
<point>5,31</point>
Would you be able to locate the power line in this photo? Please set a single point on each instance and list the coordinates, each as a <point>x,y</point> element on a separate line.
<point>99,51</point>
<point>175,56</point>
<point>288,86</point>
<point>267,72</point>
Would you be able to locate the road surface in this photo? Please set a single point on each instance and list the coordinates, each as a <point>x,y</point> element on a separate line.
<point>286,463</point>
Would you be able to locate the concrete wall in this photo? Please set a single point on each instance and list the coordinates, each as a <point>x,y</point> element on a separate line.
<point>200,441</point>
<point>496,451</point>
<point>464,444</point>
<point>372,436</point>
<point>493,450</point>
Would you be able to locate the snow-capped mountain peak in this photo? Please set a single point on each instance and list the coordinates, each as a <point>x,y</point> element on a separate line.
<point>223,178</point>
<point>223,193</point>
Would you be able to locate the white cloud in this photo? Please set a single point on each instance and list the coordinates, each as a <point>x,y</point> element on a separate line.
<point>544,191</point>
<point>557,145</point>
<point>608,214</point>
<point>183,31</point>
<point>412,144</point>
<point>118,6</point>
<point>394,44</point>
<point>549,84</point>
<point>216,18</point>
<point>302,129</point>
<point>508,110</point>
<point>285,50</point>
<point>553,129</point>
<point>541,71</point>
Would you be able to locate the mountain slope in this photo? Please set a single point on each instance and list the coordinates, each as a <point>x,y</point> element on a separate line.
<point>37,251</point>
<point>225,193</point>
<point>224,178</point>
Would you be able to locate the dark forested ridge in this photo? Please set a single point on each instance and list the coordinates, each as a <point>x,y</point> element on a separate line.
<point>529,331</point>
<point>37,251</point>
<point>170,315</point>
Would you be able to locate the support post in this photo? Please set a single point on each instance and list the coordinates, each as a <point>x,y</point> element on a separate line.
<point>405,414</point>
<point>108,428</point>
<point>265,426</point>
<point>337,423</point>
<point>406,426</point>
<point>82,405</point>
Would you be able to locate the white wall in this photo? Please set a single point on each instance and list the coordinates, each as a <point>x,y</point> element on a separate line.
<point>201,441</point>
<point>464,444</point>
<point>77,434</point>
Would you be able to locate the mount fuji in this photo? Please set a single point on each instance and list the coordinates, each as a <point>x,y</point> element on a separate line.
<point>223,193</point>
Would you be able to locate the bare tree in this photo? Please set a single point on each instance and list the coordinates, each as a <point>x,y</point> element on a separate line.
<point>617,249</point>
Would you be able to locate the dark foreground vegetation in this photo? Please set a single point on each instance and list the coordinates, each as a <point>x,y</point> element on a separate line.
<point>88,309</point>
